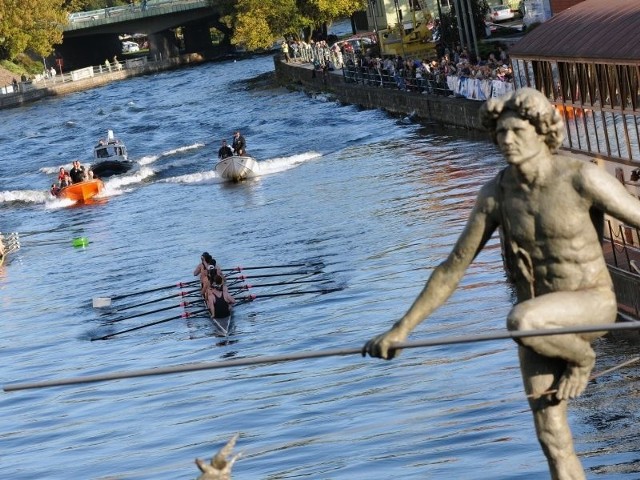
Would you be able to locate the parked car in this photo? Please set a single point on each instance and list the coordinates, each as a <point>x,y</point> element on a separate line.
<point>499,13</point>
<point>130,47</point>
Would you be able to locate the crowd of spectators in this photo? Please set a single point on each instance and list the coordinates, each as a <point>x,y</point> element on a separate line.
<point>445,73</point>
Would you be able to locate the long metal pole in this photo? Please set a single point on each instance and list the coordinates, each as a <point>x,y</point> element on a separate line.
<point>473,31</point>
<point>459,19</point>
<point>194,367</point>
<point>465,18</point>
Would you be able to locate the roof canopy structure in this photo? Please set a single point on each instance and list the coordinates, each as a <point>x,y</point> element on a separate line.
<point>604,31</point>
<point>586,60</point>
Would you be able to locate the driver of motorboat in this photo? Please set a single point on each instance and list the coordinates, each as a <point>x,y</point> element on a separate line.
<point>77,172</point>
<point>101,149</point>
<point>224,151</point>
<point>239,144</point>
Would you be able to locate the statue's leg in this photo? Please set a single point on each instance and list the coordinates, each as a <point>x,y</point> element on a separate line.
<point>539,374</point>
<point>565,309</point>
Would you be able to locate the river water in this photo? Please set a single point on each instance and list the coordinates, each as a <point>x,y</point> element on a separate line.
<point>368,202</point>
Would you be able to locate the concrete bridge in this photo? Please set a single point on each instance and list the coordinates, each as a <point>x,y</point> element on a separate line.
<point>91,37</point>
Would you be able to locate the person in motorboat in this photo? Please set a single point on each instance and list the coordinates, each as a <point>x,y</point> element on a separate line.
<point>66,181</point>
<point>61,174</point>
<point>239,144</point>
<point>224,151</point>
<point>219,299</point>
<point>101,152</point>
<point>55,189</point>
<point>77,172</point>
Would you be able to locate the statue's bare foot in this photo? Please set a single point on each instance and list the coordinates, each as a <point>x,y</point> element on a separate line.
<point>574,380</point>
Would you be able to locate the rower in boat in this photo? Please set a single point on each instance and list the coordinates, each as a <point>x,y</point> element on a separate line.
<point>219,300</point>
<point>207,263</point>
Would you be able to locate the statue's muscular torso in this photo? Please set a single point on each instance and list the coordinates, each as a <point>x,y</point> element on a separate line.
<point>548,232</point>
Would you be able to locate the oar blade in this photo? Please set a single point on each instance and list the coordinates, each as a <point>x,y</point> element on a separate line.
<point>101,302</point>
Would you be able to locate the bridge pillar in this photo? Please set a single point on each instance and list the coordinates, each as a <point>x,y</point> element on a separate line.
<point>163,45</point>
<point>197,37</point>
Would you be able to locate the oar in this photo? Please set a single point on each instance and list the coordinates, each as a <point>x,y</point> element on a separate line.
<point>266,360</point>
<point>38,232</point>
<point>12,248</point>
<point>251,298</point>
<point>75,242</point>
<point>276,284</point>
<point>290,265</point>
<point>181,304</point>
<point>241,278</point>
<point>179,294</point>
<point>99,302</point>
<point>157,322</point>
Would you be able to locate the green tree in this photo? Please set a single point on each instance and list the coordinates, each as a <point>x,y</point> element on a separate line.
<point>259,23</point>
<point>34,25</point>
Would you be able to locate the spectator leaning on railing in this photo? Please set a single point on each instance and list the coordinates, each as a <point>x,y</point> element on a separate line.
<point>457,74</point>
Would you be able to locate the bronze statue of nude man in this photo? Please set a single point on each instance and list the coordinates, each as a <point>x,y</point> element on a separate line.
<point>548,208</point>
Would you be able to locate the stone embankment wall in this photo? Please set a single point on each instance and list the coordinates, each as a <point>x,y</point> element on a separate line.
<point>459,112</point>
<point>66,87</point>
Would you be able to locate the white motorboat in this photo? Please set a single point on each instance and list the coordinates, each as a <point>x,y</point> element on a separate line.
<point>237,168</point>
<point>110,157</point>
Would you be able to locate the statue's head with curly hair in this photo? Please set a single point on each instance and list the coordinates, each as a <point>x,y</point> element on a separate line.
<point>531,105</point>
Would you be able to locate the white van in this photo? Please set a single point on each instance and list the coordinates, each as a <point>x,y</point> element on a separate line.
<point>130,47</point>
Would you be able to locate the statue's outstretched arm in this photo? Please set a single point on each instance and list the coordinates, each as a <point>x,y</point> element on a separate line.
<point>443,280</point>
<point>610,196</point>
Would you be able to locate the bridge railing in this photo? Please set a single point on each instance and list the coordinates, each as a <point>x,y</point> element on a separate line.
<point>79,20</point>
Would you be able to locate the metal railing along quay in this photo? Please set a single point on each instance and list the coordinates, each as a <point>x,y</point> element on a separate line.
<point>84,78</point>
<point>52,78</point>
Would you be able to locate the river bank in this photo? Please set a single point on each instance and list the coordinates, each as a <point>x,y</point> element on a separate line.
<point>92,77</point>
<point>443,110</point>
<point>7,76</point>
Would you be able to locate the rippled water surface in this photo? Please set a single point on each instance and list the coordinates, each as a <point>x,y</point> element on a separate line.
<point>370,203</point>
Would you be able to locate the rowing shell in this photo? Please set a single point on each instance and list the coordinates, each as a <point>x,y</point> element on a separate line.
<point>222,325</point>
<point>237,168</point>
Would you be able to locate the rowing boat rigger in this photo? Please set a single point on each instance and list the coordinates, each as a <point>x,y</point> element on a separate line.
<point>9,243</point>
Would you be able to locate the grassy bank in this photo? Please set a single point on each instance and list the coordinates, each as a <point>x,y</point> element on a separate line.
<point>22,65</point>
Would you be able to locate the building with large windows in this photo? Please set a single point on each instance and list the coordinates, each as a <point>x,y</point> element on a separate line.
<point>586,60</point>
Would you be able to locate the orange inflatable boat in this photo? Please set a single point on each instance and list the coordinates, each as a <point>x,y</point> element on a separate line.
<point>82,191</point>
